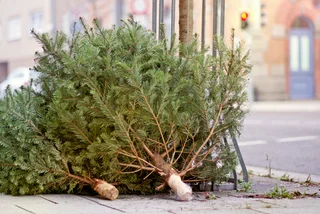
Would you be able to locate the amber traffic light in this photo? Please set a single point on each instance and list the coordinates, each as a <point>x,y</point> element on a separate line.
<point>244,20</point>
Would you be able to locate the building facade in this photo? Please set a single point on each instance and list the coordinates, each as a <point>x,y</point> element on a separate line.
<point>17,18</point>
<point>284,38</point>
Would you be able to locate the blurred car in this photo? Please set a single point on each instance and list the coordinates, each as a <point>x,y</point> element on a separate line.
<point>20,76</point>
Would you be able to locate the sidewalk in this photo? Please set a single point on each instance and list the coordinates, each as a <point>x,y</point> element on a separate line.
<point>286,106</point>
<point>226,202</point>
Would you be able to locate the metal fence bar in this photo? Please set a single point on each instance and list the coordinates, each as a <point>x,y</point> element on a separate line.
<point>203,24</point>
<point>214,25</point>
<point>173,17</point>
<point>222,16</point>
<point>154,16</point>
<point>161,7</point>
<point>119,9</point>
<point>218,29</point>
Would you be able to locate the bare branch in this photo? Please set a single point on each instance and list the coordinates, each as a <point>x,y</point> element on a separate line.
<point>183,172</point>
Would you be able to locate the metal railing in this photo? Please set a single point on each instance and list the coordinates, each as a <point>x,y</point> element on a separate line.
<point>218,29</point>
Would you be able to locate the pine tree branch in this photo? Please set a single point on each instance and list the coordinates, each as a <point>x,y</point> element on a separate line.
<point>147,150</point>
<point>137,166</point>
<point>157,122</point>
<point>131,172</point>
<point>88,181</point>
<point>72,40</point>
<point>166,153</point>
<point>181,151</point>
<point>80,131</point>
<point>199,162</point>
<point>29,122</point>
<point>7,164</point>
<point>206,154</point>
<point>93,85</point>
<point>131,143</point>
<point>184,171</point>
<point>149,174</point>
<point>122,152</point>
<point>161,186</point>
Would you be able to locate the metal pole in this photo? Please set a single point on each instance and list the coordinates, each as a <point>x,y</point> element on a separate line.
<point>53,17</point>
<point>241,161</point>
<point>222,7</point>
<point>119,14</point>
<point>215,25</point>
<point>173,17</point>
<point>203,24</point>
<point>154,16</point>
<point>160,19</point>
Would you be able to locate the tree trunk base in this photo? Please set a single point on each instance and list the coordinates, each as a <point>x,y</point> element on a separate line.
<point>105,189</point>
<point>182,190</point>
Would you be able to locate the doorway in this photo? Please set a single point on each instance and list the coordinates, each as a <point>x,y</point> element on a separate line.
<point>301,74</point>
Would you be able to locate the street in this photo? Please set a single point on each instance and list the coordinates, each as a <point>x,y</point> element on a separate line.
<point>287,141</point>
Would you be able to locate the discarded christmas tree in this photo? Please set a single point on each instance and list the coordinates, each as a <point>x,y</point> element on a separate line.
<point>30,162</point>
<point>127,108</point>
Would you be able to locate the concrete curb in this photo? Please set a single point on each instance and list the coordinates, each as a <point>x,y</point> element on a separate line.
<point>285,106</point>
<point>296,176</point>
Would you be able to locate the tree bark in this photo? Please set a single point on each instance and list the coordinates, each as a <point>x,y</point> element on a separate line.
<point>185,21</point>
<point>183,191</point>
<point>105,189</point>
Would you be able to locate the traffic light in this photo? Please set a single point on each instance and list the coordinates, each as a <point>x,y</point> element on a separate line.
<point>244,20</point>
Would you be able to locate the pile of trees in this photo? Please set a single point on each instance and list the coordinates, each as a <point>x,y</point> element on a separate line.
<point>122,112</point>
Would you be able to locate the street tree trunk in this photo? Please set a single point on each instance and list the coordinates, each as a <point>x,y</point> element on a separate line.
<point>185,21</point>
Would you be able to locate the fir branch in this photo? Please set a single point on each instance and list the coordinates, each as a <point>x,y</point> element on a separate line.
<point>138,166</point>
<point>72,39</point>
<point>123,152</point>
<point>157,122</point>
<point>7,164</point>
<point>189,166</point>
<point>85,28</point>
<point>149,174</point>
<point>182,149</point>
<point>80,131</point>
<point>29,122</point>
<point>98,26</point>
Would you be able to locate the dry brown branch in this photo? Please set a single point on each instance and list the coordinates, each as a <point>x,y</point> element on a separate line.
<point>156,120</point>
<point>149,174</point>
<point>161,186</point>
<point>137,166</point>
<point>122,152</point>
<point>182,149</point>
<point>185,170</point>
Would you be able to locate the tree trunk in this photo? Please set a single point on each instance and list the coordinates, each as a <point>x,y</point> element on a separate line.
<point>105,189</point>
<point>183,191</point>
<point>185,21</point>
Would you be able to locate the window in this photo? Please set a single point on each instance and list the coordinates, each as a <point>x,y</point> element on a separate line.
<point>14,28</point>
<point>36,21</point>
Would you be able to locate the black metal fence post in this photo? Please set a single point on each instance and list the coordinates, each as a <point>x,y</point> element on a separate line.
<point>154,16</point>
<point>203,24</point>
<point>173,17</point>
<point>161,8</point>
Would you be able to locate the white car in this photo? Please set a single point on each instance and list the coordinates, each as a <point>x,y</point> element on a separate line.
<point>20,76</point>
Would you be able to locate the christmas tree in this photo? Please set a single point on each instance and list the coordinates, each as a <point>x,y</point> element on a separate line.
<point>30,162</point>
<point>120,106</point>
